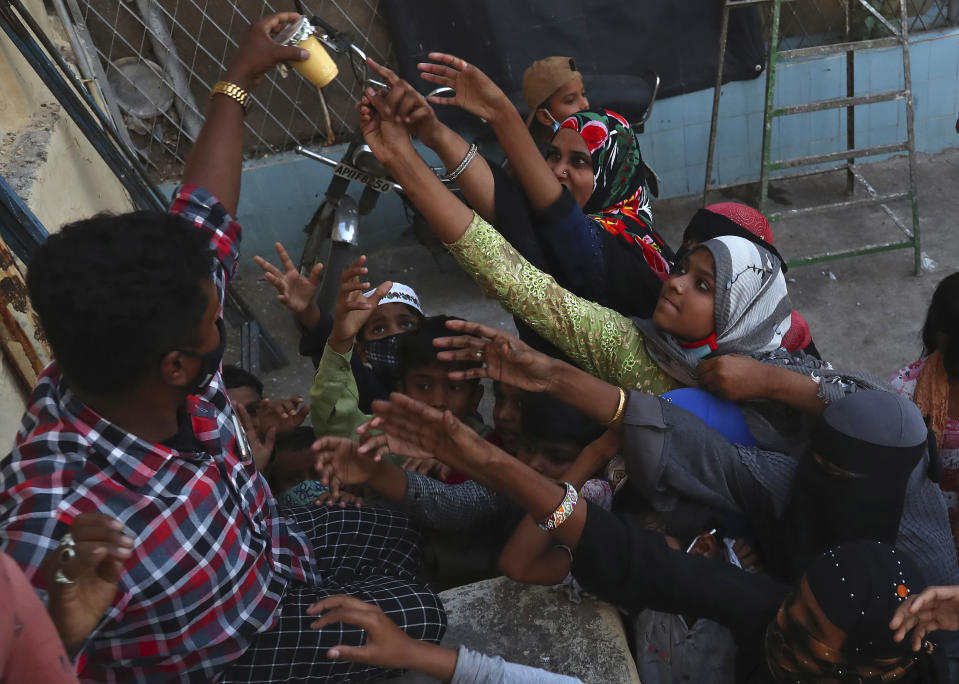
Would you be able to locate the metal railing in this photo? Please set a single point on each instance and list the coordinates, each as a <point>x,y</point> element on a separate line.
<point>154,61</point>
<point>808,23</point>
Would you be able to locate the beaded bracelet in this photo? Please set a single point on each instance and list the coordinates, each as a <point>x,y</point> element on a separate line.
<point>563,511</point>
<point>455,173</point>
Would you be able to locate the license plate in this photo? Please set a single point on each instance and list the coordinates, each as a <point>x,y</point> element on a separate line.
<point>354,174</point>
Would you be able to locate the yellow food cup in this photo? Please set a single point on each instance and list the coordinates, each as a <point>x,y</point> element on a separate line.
<point>320,68</point>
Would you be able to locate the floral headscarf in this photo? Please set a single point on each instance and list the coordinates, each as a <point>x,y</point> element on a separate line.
<point>620,199</point>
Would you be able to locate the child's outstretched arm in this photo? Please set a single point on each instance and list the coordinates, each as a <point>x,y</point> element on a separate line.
<point>334,397</point>
<point>405,105</point>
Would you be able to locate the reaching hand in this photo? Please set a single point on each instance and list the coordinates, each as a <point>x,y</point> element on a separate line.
<point>377,445</point>
<point>475,92</point>
<point>405,105</point>
<point>294,291</point>
<point>342,498</point>
<point>507,358</point>
<point>353,310</point>
<point>386,644</point>
<point>733,377</point>
<point>91,567</point>
<point>435,432</point>
<point>260,444</point>
<point>258,53</point>
<point>283,415</point>
<point>934,608</point>
<point>388,139</point>
<point>339,463</point>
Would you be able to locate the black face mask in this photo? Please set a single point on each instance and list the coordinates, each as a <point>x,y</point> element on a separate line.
<point>209,362</point>
<point>382,355</point>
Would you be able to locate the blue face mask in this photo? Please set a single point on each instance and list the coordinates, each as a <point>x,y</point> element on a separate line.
<point>555,122</point>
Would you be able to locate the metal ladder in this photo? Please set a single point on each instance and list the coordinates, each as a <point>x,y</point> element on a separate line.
<point>846,158</point>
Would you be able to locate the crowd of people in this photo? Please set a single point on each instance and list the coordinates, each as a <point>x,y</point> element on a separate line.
<point>666,435</point>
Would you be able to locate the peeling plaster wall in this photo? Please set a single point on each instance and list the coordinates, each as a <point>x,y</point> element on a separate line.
<point>51,165</point>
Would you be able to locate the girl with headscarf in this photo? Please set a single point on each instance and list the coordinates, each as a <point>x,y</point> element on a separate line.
<point>583,214</point>
<point>728,298</point>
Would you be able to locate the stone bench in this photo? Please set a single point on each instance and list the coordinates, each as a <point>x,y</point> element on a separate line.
<point>539,627</point>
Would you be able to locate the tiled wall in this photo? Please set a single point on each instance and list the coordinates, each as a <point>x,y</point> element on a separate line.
<point>676,138</point>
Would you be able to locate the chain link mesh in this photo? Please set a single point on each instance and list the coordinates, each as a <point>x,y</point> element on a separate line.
<point>198,38</point>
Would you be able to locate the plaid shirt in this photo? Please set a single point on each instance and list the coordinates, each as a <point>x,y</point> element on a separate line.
<point>212,556</point>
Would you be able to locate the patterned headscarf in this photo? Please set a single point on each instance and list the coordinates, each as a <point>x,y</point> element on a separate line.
<point>620,199</point>
<point>751,314</point>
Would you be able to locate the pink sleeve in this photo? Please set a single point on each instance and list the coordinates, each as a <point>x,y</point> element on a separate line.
<point>30,648</point>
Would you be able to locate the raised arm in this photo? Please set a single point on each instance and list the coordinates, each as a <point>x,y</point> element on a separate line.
<point>405,105</point>
<point>216,159</point>
<point>477,94</point>
<point>599,340</point>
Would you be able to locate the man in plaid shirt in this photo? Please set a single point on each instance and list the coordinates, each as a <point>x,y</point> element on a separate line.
<point>132,420</point>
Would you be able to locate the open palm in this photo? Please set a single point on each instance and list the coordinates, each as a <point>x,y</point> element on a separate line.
<point>475,92</point>
<point>507,358</point>
<point>427,430</point>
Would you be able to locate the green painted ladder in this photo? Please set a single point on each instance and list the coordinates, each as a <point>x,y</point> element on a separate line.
<point>842,159</point>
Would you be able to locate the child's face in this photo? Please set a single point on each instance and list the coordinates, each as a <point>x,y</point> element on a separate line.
<point>245,397</point>
<point>568,157</point>
<point>551,458</point>
<point>390,319</point>
<point>432,386</point>
<point>506,415</point>
<point>686,304</point>
<point>568,99</point>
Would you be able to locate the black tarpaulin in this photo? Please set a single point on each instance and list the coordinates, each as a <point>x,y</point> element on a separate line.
<point>679,39</point>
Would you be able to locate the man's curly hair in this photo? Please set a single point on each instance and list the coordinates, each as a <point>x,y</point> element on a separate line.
<point>115,293</point>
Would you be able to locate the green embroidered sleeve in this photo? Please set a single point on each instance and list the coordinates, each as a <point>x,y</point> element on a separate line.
<point>334,398</point>
<point>599,340</point>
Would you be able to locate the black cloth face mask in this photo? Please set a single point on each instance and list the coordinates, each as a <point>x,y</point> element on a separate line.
<point>209,362</point>
<point>383,358</point>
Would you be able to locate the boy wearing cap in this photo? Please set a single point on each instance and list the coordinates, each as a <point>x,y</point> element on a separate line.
<point>379,313</point>
<point>554,90</point>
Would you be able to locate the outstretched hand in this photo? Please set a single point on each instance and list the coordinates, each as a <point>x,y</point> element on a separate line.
<point>934,608</point>
<point>405,105</point>
<point>388,138</point>
<point>353,309</point>
<point>432,431</point>
<point>475,92</point>
<point>339,463</point>
<point>507,358</point>
<point>99,551</point>
<point>386,644</point>
<point>294,290</point>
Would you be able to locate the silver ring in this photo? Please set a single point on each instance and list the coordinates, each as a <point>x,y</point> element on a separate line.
<point>67,554</point>
<point>479,354</point>
<point>60,578</point>
<point>68,551</point>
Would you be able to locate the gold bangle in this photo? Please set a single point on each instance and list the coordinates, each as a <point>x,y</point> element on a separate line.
<point>235,92</point>
<point>619,409</point>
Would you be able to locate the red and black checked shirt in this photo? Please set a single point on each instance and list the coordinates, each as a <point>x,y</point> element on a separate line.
<point>212,556</point>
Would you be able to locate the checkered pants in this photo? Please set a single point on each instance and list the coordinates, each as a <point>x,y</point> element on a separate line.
<point>368,553</point>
